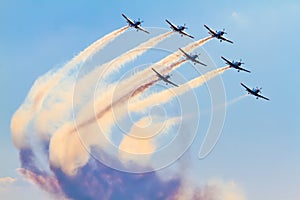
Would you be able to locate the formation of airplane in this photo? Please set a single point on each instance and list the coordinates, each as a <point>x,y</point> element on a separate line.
<point>135,24</point>
<point>235,64</point>
<point>255,92</point>
<point>179,29</point>
<point>218,34</point>
<point>192,58</point>
<point>164,78</point>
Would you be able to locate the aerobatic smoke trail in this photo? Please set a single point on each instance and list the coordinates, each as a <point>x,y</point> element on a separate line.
<point>142,76</point>
<point>47,85</point>
<point>44,84</point>
<point>197,44</point>
<point>226,104</point>
<point>96,46</point>
<point>106,69</point>
<point>147,74</point>
<point>127,91</point>
<point>166,95</point>
<point>142,88</point>
<point>116,64</point>
<point>235,100</point>
<point>156,98</point>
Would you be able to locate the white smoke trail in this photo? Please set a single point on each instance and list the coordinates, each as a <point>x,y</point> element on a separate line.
<point>167,95</point>
<point>44,84</point>
<point>235,100</point>
<point>106,117</point>
<point>147,74</point>
<point>110,96</point>
<point>226,104</point>
<point>116,64</point>
<point>95,47</point>
<point>109,104</point>
<point>84,86</point>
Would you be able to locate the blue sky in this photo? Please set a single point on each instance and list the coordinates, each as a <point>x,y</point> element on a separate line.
<point>259,147</point>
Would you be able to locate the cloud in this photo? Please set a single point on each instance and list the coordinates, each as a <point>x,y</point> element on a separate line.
<point>19,188</point>
<point>48,183</point>
<point>6,181</point>
<point>139,143</point>
<point>227,190</point>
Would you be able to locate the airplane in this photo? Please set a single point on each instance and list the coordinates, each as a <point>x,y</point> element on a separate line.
<point>135,24</point>
<point>254,92</point>
<point>235,64</point>
<point>179,29</point>
<point>192,58</point>
<point>217,34</point>
<point>164,78</point>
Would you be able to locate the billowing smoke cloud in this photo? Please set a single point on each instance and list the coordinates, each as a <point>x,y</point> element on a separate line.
<point>42,86</point>
<point>58,135</point>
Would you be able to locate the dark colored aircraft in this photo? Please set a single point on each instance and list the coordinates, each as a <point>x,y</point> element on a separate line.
<point>179,29</point>
<point>255,92</point>
<point>164,78</point>
<point>135,24</point>
<point>217,34</point>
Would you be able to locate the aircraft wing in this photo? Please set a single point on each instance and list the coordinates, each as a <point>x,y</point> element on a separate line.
<point>184,33</point>
<point>163,78</point>
<point>172,25</point>
<point>187,55</point>
<point>239,68</point>
<point>141,29</point>
<point>168,81</point>
<point>210,30</point>
<point>127,19</point>
<point>158,74</point>
<point>248,89</point>
<point>227,61</point>
<point>201,63</point>
<point>225,39</point>
<point>258,95</point>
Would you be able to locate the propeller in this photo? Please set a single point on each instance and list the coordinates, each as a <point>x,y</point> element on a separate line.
<point>241,61</point>
<point>139,20</point>
<point>184,25</point>
<point>167,76</point>
<point>224,31</point>
<point>259,89</point>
